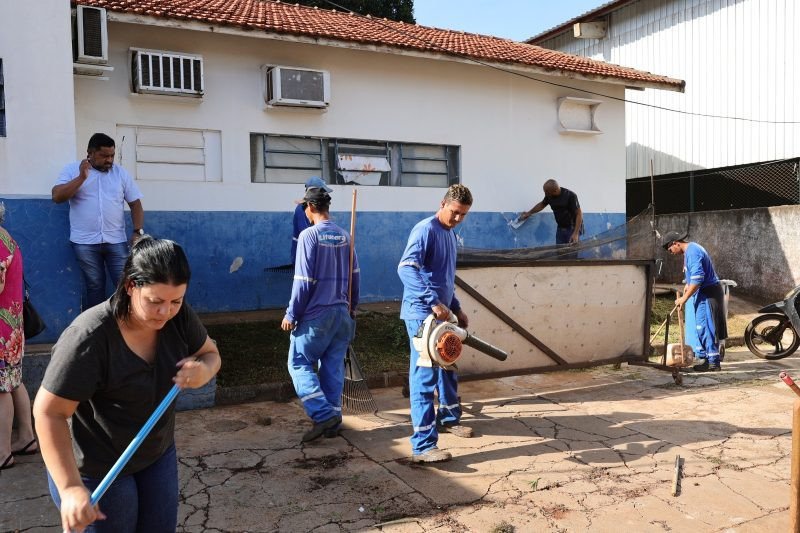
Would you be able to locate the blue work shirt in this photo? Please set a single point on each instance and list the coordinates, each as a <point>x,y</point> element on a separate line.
<point>299,223</point>
<point>97,211</point>
<point>428,270</point>
<point>321,272</point>
<point>698,267</point>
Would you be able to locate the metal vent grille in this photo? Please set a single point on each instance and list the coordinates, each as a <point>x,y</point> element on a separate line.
<point>92,32</point>
<point>159,72</point>
<point>756,185</point>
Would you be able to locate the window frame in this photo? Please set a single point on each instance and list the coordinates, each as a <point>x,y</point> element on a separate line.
<point>330,169</point>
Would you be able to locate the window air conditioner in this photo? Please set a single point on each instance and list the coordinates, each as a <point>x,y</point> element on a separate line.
<point>91,35</point>
<point>298,87</point>
<point>158,72</point>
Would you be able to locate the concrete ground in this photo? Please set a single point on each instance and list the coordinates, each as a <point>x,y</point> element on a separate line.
<point>589,450</point>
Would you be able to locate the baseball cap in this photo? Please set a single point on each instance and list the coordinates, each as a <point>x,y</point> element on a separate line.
<point>669,237</point>
<point>317,182</point>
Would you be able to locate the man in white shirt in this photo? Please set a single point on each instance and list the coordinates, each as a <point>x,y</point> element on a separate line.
<point>96,190</point>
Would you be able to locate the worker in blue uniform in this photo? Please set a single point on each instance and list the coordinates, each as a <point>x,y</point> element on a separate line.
<point>427,270</point>
<point>703,299</point>
<point>300,220</point>
<point>319,315</point>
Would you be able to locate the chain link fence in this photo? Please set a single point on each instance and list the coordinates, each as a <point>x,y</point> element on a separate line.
<point>754,185</point>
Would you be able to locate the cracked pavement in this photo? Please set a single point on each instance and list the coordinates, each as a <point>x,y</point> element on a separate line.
<point>586,450</point>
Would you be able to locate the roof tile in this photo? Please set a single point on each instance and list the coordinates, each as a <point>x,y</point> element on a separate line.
<point>279,17</point>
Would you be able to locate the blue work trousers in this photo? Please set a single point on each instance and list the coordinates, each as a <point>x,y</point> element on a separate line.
<point>700,328</point>
<point>322,340</point>
<point>95,261</point>
<point>144,502</point>
<point>422,382</point>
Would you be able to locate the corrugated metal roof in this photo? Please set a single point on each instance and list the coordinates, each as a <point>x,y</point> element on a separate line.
<point>589,16</point>
<point>292,19</point>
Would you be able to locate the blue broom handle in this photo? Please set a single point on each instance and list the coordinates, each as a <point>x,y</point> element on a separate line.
<point>133,446</point>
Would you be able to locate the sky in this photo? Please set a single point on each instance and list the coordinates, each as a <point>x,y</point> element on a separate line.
<point>512,19</point>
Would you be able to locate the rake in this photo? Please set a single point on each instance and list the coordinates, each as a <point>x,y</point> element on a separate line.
<point>356,397</point>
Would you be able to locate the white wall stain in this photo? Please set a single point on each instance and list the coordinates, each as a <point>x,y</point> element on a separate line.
<point>236,264</point>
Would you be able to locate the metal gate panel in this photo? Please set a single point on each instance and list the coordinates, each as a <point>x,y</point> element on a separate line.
<point>556,315</point>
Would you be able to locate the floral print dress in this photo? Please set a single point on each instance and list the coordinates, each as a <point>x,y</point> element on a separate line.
<point>12,340</point>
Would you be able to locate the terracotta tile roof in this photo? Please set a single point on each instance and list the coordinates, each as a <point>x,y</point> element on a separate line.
<point>278,17</point>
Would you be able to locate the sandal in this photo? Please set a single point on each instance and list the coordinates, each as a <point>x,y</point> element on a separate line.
<point>5,465</point>
<point>25,451</point>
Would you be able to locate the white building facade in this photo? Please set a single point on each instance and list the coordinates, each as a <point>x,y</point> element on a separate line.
<point>220,169</point>
<point>738,60</point>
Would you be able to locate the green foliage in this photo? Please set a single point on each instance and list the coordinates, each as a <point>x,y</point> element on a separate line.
<point>535,483</point>
<point>399,10</point>
<point>257,352</point>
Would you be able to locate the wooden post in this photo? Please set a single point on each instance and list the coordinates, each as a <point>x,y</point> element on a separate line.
<point>794,503</point>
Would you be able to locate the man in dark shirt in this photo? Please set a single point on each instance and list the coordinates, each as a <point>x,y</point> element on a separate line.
<point>566,210</point>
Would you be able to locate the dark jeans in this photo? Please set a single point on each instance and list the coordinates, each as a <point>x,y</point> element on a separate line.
<point>144,502</point>
<point>95,260</point>
<point>563,235</point>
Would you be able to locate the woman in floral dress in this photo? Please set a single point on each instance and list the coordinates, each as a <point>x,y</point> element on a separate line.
<point>14,398</point>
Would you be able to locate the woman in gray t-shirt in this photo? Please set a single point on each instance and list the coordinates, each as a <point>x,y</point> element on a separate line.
<point>109,370</point>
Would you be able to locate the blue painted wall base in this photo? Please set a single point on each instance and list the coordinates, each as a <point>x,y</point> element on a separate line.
<point>214,240</point>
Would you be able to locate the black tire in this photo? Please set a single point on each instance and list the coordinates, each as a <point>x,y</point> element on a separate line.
<point>771,337</point>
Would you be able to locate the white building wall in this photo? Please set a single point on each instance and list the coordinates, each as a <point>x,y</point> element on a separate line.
<point>36,48</point>
<point>506,125</point>
<point>738,58</point>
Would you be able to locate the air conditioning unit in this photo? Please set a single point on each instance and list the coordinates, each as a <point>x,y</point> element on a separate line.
<point>158,72</point>
<point>297,87</point>
<point>85,70</point>
<point>91,35</point>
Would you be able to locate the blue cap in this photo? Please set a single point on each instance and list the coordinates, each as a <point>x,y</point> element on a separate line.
<point>317,183</point>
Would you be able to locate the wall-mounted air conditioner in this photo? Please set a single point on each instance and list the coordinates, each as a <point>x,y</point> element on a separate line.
<point>91,35</point>
<point>296,86</point>
<point>173,73</point>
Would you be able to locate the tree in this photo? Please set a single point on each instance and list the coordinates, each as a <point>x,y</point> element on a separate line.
<point>399,10</point>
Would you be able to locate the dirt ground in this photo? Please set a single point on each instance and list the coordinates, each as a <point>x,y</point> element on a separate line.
<point>590,450</point>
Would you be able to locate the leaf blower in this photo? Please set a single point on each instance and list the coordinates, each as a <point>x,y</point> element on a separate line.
<point>441,343</point>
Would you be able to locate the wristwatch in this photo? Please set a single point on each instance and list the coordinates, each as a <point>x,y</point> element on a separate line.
<point>139,232</point>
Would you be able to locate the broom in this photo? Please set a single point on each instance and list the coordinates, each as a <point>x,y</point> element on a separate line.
<point>356,397</point>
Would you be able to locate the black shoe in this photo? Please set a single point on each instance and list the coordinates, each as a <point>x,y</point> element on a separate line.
<point>702,367</point>
<point>331,433</point>
<point>320,427</point>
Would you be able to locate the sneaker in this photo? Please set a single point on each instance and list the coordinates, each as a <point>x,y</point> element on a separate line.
<point>320,427</point>
<point>434,455</point>
<point>458,430</point>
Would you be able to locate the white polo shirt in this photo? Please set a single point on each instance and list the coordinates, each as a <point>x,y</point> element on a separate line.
<point>97,211</point>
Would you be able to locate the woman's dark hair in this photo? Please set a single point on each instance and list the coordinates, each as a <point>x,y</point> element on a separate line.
<point>151,261</point>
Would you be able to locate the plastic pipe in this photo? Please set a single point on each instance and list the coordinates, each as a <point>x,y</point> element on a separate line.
<point>134,445</point>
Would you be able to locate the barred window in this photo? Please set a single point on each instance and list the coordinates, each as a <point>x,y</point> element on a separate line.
<point>294,159</point>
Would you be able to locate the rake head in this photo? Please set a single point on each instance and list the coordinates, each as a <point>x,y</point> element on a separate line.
<point>356,397</point>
